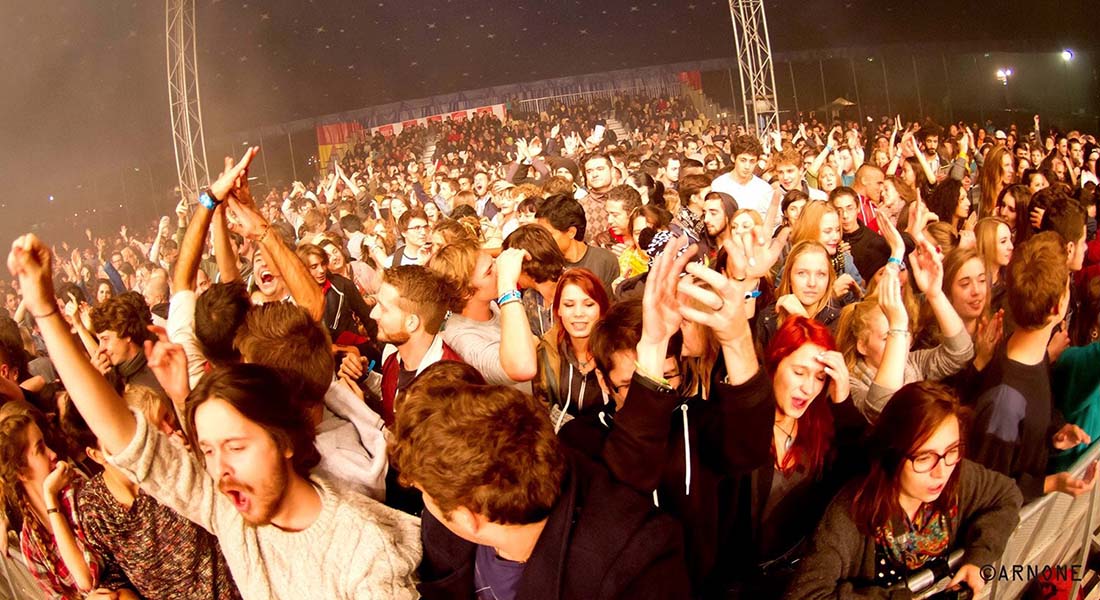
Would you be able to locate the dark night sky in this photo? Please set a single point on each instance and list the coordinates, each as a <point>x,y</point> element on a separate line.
<point>86,95</point>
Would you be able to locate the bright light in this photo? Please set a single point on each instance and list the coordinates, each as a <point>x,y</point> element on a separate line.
<point>1008,72</point>
<point>1067,55</point>
<point>51,198</point>
<point>1001,74</point>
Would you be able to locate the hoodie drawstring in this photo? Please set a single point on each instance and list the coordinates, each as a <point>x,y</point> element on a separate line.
<point>687,450</point>
<point>568,400</point>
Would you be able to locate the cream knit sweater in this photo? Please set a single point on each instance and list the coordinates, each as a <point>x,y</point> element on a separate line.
<point>356,549</point>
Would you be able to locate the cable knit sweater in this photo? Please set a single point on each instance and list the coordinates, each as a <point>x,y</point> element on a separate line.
<point>356,549</point>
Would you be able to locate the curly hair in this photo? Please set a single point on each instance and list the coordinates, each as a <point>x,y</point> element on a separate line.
<point>448,442</point>
<point>126,314</point>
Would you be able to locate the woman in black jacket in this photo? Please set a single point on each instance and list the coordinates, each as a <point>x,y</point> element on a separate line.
<point>919,502</point>
<point>748,471</point>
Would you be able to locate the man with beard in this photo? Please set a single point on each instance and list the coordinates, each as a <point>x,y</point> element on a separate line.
<point>718,211</point>
<point>412,305</point>
<point>284,533</point>
<point>597,173</point>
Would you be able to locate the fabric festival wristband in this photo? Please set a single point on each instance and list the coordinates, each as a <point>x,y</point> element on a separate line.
<point>507,297</point>
<point>208,200</point>
<point>896,261</point>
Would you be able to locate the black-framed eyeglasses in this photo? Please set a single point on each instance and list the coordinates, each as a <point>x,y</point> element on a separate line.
<point>416,228</point>
<point>924,462</point>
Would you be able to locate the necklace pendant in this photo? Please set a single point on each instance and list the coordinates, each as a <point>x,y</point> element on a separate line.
<point>787,444</point>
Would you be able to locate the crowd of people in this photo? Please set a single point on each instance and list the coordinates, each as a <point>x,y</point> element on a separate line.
<point>557,362</point>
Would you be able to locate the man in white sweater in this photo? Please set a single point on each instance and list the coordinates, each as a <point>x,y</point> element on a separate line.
<point>284,534</point>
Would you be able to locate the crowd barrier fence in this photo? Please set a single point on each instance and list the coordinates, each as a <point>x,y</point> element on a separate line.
<point>1055,535</point>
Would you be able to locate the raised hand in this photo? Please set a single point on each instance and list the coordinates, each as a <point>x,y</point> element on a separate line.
<point>839,383</point>
<point>244,219</point>
<point>890,300</point>
<point>230,178</point>
<point>890,233</point>
<point>168,362</point>
<point>509,265</point>
<point>660,304</point>
<point>1057,345</point>
<point>30,262</point>
<point>752,255</point>
<point>987,336</point>
<point>721,307</point>
<point>926,267</point>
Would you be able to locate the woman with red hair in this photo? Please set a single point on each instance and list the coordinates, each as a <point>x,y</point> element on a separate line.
<point>749,470</point>
<point>567,380</point>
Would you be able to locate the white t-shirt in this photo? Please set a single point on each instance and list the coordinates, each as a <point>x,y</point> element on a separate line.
<point>757,194</point>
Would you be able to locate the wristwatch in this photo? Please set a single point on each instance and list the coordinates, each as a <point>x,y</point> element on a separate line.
<point>208,200</point>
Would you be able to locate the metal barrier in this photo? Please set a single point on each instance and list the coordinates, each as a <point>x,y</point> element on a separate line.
<point>1055,530</point>
<point>18,584</point>
<point>537,105</point>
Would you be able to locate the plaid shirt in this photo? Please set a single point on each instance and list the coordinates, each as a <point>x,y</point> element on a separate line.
<point>43,559</point>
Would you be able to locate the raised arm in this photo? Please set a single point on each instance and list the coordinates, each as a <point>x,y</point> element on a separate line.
<point>927,271</point>
<point>517,343</point>
<point>105,412</point>
<point>254,226</point>
<point>228,270</point>
<point>891,370</point>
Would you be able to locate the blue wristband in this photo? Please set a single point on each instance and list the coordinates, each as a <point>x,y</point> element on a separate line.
<point>507,297</point>
<point>207,199</point>
<point>896,261</point>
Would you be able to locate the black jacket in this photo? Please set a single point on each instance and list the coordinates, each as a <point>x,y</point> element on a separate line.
<point>716,478</point>
<point>342,299</point>
<point>601,541</point>
<point>869,251</point>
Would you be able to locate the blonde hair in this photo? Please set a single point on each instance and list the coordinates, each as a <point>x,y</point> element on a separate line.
<point>457,262</point>
<point>851,328</point>
<point>805,247</point>
<point>985,233</point>
<point>808,227</point>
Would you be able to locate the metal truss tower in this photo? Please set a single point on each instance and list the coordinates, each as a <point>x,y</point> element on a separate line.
<point>183,99</point>
<point>754,61</point>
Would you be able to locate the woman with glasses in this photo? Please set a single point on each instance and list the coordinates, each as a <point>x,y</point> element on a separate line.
<point>919,502</point>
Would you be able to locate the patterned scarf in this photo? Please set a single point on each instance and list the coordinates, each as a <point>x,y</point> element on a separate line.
<point>913,543</point>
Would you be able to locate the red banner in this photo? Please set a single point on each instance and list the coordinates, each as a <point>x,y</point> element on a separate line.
<point>459,115</point>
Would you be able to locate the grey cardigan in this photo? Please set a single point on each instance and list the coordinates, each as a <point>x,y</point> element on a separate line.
<point>933,364</point>
<point>841,560</point>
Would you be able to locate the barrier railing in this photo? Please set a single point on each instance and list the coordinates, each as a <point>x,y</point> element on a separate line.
<point>651,90</point>
<point>18,582</point>
<point>1053,538</point>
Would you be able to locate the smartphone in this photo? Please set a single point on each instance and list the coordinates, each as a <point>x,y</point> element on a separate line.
<point>598,131</point>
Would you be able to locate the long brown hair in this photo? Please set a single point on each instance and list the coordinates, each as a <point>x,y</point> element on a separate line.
<point>991,179</point>
<point>907,421</point>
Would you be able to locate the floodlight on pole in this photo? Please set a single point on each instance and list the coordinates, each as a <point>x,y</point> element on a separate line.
<point>1067,55</point>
